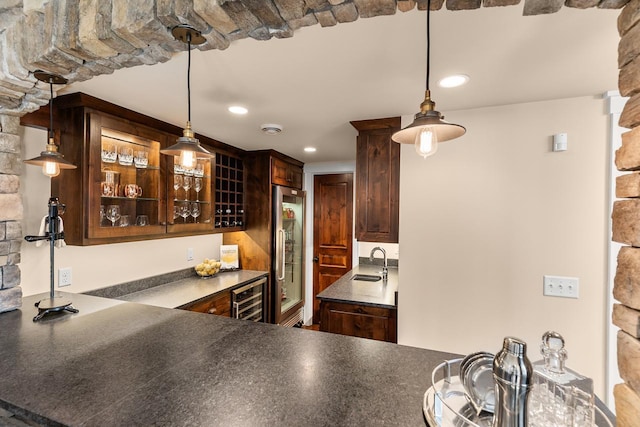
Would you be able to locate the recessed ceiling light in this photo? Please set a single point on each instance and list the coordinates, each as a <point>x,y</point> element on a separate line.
<point>454,81</point>
<point>310,149</point>
<point>236,109</point>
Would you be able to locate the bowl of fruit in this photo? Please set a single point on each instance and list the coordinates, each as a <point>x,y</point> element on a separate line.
<point>207,268</point>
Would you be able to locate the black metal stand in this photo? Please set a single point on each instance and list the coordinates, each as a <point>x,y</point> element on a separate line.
<point>55,302</point>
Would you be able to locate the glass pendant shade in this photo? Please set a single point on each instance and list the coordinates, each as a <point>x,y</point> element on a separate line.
<point>50,159</point>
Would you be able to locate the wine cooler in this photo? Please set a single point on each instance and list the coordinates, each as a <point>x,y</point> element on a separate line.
<point>248,301</point>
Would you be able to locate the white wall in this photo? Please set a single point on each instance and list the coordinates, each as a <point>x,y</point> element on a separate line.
<point>94,267</point>
<point>492,212</point>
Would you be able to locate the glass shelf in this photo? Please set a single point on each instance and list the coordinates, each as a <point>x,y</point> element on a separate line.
<point>132,199</point>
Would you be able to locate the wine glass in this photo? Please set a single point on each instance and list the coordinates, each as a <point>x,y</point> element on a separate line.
<point>176,212</point>
<point>177,183</point>
<point>197,185</point>
<point>187,182</point>
<point>184,211</point>
<point>113,214</point>
<point>195,211</point>
<point>199,170</point>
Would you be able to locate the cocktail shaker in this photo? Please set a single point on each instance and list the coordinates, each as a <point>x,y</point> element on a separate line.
<point>512,373</point>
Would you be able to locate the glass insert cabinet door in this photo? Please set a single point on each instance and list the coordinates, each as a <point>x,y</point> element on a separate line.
<point>289,256</point>
<point>189,206</point>
<point>126,189</point>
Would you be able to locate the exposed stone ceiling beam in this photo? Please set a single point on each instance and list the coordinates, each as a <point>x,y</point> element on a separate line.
<point>80,39</point>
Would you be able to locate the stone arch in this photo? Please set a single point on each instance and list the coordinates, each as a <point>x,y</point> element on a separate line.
<point>80,39</point>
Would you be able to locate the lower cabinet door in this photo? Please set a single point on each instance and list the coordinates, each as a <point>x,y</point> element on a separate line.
<point>219,304</point>
<point>358,321</point>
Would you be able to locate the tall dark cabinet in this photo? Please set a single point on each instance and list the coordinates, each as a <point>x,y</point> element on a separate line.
<point>377,180</point>
<point>263,169</point>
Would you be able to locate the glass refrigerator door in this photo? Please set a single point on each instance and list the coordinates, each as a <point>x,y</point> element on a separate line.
<point>290,272</point>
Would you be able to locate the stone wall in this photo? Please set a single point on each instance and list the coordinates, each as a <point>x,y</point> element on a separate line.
<point>626,222</point>
<point>10,213</point>
<point>80,39</point>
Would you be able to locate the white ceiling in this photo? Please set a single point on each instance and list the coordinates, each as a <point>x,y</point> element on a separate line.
<point>314,83</point>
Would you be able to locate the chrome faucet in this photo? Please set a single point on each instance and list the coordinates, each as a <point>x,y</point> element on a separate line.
<point>385,270</point>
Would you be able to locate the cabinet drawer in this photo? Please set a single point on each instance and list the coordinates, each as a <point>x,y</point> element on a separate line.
<point>219,304</point>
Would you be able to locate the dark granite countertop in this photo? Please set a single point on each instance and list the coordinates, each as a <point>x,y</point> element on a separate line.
<point>119,363</point>
<point>184,291</point>
<point>377,294</point>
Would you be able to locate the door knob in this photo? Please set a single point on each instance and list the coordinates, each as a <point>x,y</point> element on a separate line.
<point>316,259</point>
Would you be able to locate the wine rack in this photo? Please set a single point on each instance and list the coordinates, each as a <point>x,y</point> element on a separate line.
<point>229,203</point>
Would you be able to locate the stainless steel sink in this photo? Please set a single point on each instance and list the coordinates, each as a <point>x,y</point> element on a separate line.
<point>366,277</point>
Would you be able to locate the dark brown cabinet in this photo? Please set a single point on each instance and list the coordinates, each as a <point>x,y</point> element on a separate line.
<point>109,197</point>
<point>256,240</point>
<point>377,323</point>
<point>219,304</point>
<point>123,189</point>
<point>377,180</point>
<point>286,173</point>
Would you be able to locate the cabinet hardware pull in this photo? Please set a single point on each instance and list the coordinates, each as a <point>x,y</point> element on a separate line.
<point>282,266</point>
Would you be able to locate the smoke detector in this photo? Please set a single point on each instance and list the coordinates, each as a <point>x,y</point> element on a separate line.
<point>271,128</point>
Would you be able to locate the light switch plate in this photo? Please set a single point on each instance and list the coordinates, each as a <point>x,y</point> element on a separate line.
<point>559,286</point>
<point>189,254</point>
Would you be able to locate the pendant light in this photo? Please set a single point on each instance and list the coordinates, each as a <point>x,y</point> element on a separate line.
<point>50,159</point>
<point>187,147</point>
<point>429,127</point>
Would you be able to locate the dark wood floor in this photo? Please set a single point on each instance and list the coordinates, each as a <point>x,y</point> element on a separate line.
<point>314,327</point>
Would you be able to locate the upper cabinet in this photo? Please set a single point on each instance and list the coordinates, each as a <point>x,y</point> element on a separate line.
<point>123,195</point>
<point>377,180</point>
<point>124,189</point>
<point>286,173</point>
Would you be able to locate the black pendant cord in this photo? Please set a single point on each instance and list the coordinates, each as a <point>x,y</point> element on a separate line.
<point>428,41</point>
<point>189,76</point>
<point>51,109</point>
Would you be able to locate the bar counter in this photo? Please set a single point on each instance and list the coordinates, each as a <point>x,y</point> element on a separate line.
<point>121,363</point>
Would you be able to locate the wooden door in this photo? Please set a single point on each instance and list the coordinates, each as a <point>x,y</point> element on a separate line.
<point>332,232</point>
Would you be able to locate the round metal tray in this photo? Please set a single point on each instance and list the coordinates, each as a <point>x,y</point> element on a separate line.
<point>445,405</point>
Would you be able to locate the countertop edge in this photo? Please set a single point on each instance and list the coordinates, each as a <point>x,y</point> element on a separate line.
<point>184,292</point>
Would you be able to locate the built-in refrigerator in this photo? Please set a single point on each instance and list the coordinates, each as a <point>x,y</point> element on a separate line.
<point>288,255</point>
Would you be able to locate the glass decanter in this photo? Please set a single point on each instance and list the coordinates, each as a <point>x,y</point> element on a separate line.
<point>559,396</point>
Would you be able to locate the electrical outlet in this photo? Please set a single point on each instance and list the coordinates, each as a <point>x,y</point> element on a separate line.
<point>558,286</point>
<point>64,276</point>
<point>189,254</point>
